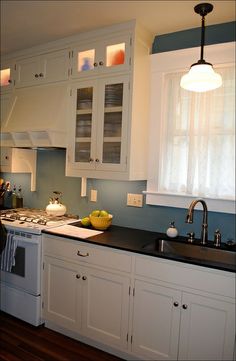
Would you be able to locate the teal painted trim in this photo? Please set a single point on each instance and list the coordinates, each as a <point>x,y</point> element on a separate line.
<point>215,34</point>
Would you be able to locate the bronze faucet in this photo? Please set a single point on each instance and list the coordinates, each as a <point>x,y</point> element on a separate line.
<point>189,218</point>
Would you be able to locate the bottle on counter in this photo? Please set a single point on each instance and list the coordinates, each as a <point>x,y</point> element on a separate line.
<point>19,198</point>
<point>14,197</point>
<point>172,230</point>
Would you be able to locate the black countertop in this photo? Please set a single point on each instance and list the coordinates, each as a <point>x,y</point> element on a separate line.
<point>134,240</point>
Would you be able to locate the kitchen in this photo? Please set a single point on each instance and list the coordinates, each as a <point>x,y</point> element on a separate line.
<point>51,176</point>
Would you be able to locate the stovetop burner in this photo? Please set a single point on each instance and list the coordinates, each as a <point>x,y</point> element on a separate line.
<point>33,215</point>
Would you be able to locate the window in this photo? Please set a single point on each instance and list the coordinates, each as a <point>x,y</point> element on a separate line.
<point>193,152</point>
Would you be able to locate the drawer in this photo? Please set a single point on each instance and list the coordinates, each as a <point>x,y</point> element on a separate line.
<point>186,275</point>
<point>82,252</point>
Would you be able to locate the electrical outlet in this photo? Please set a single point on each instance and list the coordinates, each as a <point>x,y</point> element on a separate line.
<point>93,195</point>
<point>134,200</point>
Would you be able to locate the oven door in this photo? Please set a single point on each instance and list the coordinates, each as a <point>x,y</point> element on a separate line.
<point>25,275</point>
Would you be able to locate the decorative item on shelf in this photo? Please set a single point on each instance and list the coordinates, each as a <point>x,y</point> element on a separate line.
<point>19,198</point>
<point>118,58</point>
<point>201,76</point>
<point>172,230</point>
<point>55,207</point>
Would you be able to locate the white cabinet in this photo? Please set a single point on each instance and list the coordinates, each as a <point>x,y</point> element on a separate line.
<point>7,76</point>
<point>156,320</point>
<point>109,119</point>
<point>99,132</point>
<point>207,328</point>
<point>41,69</point>
<point>15,160</point>
<point>79,297</point>
<point>188,314</point>
<point>109,55</point>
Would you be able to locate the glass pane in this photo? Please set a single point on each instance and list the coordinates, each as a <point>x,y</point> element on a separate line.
<point>115,54</point>
<point>86,60</point>
<point>113,95</point>
<point>83,125</point>
<point>111,152</point>
<point>5,77</point>
<point>84,98</point>
<point>112,124</point>
<point>82,152</point>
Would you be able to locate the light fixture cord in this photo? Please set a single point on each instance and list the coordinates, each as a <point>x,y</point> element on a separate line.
<point>202,38</point>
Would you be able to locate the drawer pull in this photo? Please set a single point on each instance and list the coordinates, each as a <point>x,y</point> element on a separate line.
<point>185,307</point>
<point>84,278</point>
<point>77,276</point>
<point>82,255</point>
<point>176,304</point>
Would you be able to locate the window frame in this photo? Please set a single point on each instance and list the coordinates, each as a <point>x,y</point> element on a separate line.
<point>179,61</point>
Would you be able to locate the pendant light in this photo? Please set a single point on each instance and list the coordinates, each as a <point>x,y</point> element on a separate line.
<point>201,76</point>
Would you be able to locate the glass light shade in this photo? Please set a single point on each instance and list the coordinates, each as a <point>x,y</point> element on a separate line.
<point>201,78</point>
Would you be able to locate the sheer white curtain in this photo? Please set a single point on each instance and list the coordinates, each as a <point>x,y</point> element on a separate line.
<point>197,150</point>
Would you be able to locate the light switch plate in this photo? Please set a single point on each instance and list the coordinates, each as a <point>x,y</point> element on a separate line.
<point>134,200</point>
<point>93,195</point>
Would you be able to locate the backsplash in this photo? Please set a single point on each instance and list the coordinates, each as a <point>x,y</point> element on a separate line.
<point>112,195</point>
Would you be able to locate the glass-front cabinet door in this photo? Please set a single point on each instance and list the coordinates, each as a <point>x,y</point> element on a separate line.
<point>111,55</point>
<point>7,77</point>
<point>100,131</point>
<point>84,99</point>
<point>112,132</point>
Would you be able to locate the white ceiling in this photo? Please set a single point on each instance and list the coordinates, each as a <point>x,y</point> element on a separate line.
<point>28,23</point>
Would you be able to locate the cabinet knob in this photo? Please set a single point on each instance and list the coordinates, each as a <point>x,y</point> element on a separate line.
<point>36,75</point>
<point>95,64</point>
<point>77,276</point>
<point>9,81</point>
<point>97,160</point>
<point>91,160</point>
<point>176,304</point>
<point>41,75</point>
<point>84,278</point>
<point>101,63</point>
<point>82,254</point>
<point>6,157</point>
<point>185,306</point>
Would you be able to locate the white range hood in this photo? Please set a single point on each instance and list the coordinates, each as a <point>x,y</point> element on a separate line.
<point>35,117</point>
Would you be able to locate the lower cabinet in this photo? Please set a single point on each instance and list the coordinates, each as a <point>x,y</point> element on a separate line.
<point>169,324</point>
<point>89,301</point>
<point>155,322</point>
<point>143,307</point>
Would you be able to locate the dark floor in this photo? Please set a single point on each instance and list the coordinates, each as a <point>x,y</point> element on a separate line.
<point>22,341</point>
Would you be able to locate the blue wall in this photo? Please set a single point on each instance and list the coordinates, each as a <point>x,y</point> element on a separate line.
<point>112,194</point>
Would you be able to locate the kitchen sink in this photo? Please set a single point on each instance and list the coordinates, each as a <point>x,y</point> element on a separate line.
<point>192,251</point>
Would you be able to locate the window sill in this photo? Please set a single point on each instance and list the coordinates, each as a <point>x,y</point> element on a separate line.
<point>180,201</point>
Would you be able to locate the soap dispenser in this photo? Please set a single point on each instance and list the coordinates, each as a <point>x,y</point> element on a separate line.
<point>172,230</point>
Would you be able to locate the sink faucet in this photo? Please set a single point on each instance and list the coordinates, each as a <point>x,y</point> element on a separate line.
<point>189,218</point>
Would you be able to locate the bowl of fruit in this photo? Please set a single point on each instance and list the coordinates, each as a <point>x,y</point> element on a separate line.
<point>100,220</point>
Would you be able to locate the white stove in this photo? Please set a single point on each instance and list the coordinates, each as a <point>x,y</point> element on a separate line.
<point>32,220</point>
<point>20,273</point>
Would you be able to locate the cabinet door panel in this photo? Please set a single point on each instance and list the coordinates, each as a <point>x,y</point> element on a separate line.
<point>207,329</point>
<point>113,124</point>
<point>106,305</point>
<point>55,66</point>
<point>28,72</point>
<point>62,294</point>
<point>155,321</point>
<point>7,76</point>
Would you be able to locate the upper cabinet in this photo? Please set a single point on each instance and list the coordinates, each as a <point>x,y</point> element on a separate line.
<point>101,57</point>
<point>98,136</point>
<point>108,128</point>
<point>41,69</point>
<point>7,76</point>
